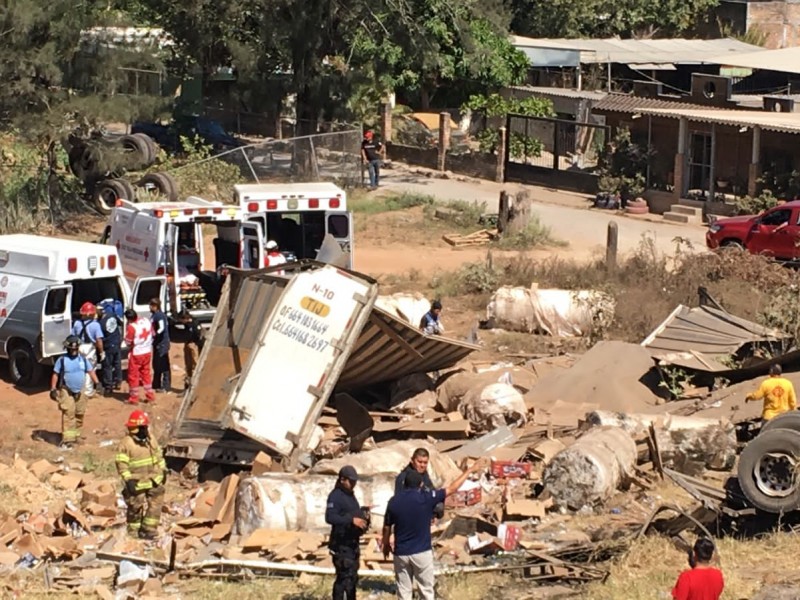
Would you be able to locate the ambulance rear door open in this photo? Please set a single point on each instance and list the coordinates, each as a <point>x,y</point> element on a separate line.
<point>339,225</point>
<point>251,245</point>
<point>144,290</point>
<point>56,319</point>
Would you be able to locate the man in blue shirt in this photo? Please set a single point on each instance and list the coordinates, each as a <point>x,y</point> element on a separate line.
<point>162,376</point>
<point>409,514</point>
<point>90,334</point>
<point>67,387</point>
<point>431,323</point>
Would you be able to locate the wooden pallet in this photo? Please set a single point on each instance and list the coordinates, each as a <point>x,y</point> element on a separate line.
<point>478,238</point>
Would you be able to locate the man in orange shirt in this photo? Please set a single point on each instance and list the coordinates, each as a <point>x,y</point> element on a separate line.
<point>777,393</point>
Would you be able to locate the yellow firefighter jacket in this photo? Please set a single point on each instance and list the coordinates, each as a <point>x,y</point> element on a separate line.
<point>778,396</point>
<point>143,462</point>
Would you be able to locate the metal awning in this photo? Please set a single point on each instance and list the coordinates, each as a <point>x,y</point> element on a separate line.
<point>770,121</point>
<point>785,60</point>
<point>390,348</point>
<point>700,338</point>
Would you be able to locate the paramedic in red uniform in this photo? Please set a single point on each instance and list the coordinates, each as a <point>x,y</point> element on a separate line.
<point>274,256</point>
<point>139,337</point>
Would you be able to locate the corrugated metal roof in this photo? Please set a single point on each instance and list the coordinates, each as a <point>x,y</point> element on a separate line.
<point>659,52</point>
<point>771,121</point>
<point>616,102</point>
<point>560,92</point>
<point>706,331</point>
<point>785,60</point>
<point>389,348</point>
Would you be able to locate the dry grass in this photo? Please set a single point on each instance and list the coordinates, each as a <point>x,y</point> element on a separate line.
<point>652,565</point>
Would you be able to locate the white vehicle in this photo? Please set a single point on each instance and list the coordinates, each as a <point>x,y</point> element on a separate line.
<point>298,216</point>
<point>43,283</point>
<point>169,238</point>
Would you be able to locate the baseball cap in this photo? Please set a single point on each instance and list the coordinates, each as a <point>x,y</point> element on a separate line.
<point>414,480</point>
<point>348,472</point>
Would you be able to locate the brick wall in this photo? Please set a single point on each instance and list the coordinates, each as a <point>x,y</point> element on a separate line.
<point>779,20</point>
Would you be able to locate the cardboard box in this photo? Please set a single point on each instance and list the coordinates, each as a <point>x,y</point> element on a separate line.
<point>464,497</point>
<point>507,469</point>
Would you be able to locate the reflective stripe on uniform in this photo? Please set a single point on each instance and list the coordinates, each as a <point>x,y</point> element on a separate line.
<point>150,521</point>
<point>123,458</point>
<point>126,475</point>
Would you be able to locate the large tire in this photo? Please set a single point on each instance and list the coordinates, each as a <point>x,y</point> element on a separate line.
<point>733,244</point>
<point>23,368</point>
<point>152,147</point>
<point>106,194</point>
<point>767,472</point>
<point>130,191</point>
<point>137,151</point>
<point>161,183</point>
<point>788,420</point>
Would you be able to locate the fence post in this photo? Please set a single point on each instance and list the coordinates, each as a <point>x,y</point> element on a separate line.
<point>611,246</point>
<point>500,170</point>
<point>444,139</point>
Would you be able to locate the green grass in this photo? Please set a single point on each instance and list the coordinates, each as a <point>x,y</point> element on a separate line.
<point>366,203</point>
<point>535,235</point>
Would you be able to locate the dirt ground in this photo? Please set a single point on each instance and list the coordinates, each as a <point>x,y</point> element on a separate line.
<point>404,250</point>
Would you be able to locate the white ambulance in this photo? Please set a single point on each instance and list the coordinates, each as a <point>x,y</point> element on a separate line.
<point>169,239</point>
<point>298,216</point>
<point>43,283</point>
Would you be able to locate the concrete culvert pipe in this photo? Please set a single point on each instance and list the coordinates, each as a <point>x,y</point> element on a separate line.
<point>768,471</point>
<point>591,469</point>
<point>297,502</point>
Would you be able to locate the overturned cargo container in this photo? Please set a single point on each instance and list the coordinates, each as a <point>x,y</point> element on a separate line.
<point>278,347</point>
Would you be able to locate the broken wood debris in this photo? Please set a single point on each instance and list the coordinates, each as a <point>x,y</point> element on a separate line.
<point>477,238</point>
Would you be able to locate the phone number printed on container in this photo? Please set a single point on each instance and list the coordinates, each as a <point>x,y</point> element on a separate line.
<point>300,335</point>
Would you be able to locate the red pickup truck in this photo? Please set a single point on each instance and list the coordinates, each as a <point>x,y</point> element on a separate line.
<point>775,232</point>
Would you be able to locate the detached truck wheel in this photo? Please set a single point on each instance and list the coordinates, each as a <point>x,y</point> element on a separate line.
<point>161,184</point>
<point>788,420</point>
<point>768,471</point>
<point>23,368</point>
<point>106,194</point>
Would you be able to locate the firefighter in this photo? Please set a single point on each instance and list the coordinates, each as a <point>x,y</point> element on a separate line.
<point>68,388</point>
<point>139,337</point>
<point>193,345</point>
<point>140,463</point>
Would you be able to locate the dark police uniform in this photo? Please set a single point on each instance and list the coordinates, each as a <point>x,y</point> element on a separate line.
<point>162,377</point>
<point>427,484</point>
<point>342,507</point>
<point>111,325</point>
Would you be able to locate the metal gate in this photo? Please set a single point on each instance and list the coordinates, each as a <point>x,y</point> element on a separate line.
<point>554,152</point>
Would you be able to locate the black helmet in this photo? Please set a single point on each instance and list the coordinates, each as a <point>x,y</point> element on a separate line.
<point>72,342</point>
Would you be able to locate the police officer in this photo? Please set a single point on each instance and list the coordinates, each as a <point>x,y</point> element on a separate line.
<point>111,325</point>
<point>348,522</point>
<point>419,464</point>
<point>162,377</point>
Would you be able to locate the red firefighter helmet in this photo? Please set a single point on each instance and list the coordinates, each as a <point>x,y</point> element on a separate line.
<point>137,419</point>
<point>88,309</point>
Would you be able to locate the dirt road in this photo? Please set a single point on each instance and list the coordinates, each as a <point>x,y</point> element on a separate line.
<point>564,212</point>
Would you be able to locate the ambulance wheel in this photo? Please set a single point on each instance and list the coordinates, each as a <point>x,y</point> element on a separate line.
<point>23,368</point>
<point>160,183</point>
<point>106,194</point>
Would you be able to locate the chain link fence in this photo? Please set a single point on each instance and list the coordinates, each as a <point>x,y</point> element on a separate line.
<point>334,156</point>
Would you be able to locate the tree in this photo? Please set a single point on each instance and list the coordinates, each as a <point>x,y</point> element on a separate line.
<point>495,105</point>
<point>327,47</point>
<point>596,18</point>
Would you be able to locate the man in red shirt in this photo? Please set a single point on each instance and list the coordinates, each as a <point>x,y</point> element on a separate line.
<point>702,581</point>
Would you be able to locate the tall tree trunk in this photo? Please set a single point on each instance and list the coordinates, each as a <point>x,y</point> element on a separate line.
<point>424,99</point>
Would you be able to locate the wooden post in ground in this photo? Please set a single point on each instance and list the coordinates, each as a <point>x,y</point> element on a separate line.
<point>444,139</point>
<point>500,173</point>
<point>502,213</point>
<point>612,238</point>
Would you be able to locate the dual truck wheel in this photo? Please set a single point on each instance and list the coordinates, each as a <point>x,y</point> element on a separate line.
<point>769,466</point>
<point>108,191</point>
